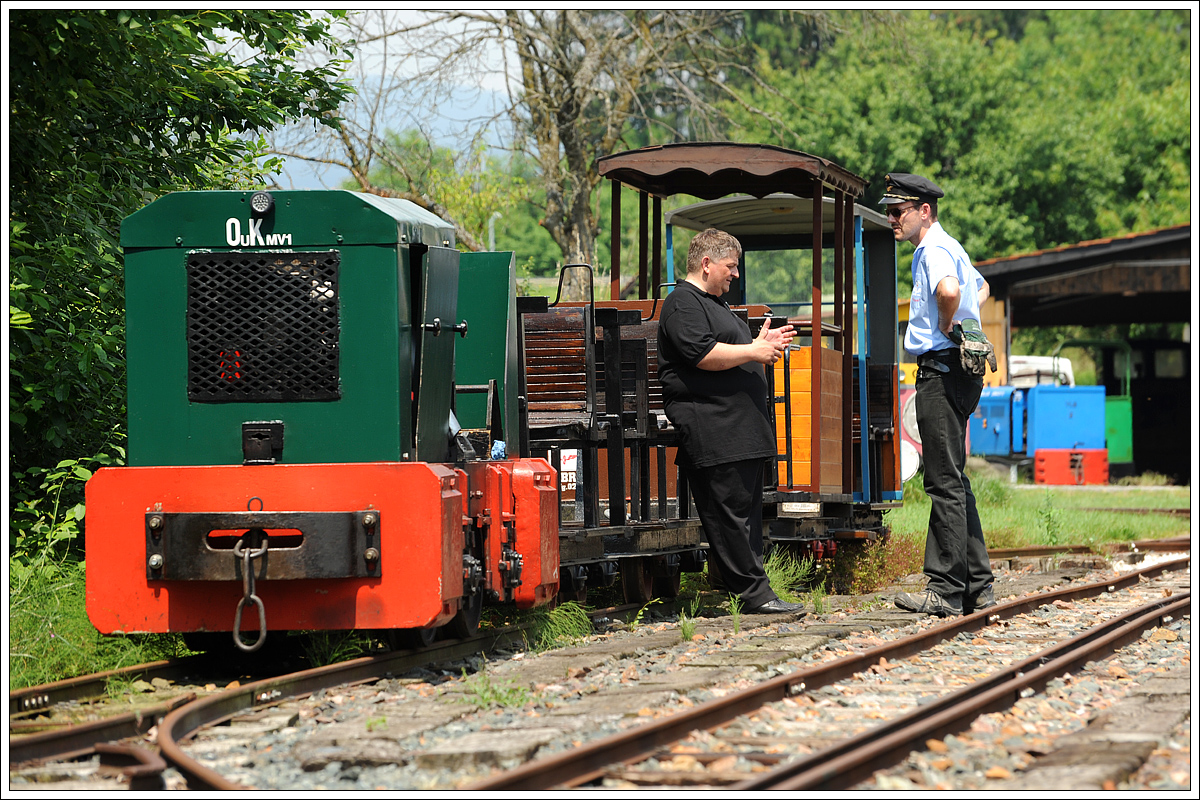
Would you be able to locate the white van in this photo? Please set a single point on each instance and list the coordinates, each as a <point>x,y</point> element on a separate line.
<point>1026,371</point>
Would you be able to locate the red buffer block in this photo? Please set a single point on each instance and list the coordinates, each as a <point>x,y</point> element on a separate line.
<point>1071,467</point>
<point>329,546</point>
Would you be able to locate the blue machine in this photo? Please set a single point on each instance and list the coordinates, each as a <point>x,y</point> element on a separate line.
<point>1016,423</point>
<point>997,427</point>
<point>1065,418</point>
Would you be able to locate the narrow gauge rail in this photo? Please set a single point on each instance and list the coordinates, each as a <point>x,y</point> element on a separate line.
<point>31,700</point>
<point>80,740</point>
<point>102,736</point>
<point>856,758</point>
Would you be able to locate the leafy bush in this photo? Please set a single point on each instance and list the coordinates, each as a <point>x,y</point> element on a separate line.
<point>48,508</point>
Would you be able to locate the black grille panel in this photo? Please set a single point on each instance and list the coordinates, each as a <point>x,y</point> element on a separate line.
<point>262,327</point>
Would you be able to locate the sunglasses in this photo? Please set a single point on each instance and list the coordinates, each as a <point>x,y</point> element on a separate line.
<point>897,213</point>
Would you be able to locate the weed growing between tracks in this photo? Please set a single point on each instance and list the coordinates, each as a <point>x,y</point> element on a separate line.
<point>687,619</point>
<point>322,648</point>
<point>636,621</point>
<point>871,566</point>
<point>484,693</point>
<point>565,624</point>
<point>787,574</point>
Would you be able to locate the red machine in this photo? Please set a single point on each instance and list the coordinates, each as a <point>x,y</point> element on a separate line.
<point>1071,467</point>
<point>341,546</point>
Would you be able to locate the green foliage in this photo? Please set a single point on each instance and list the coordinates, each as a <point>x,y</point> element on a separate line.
<point>636,622</point>
<point>49,634</point>
<point>48,507</point>
<point>865,568</point>
<point>1020,520</point>
<point>565,624</point>
<point>787,574</point>
<point>322,648</point>
<point>1049,518</point>
<point>687,619</point>
<point>817,596</point>
<point>109,109</point>
<point>989,488</point>
<point>735,611</point>
<point>914,489</point>
<point>1043,127</point>
<point>687,627</point>
<point>1145,479</point>
<point>470,187</point>
<point>376,724</point>
<point>484,693</point>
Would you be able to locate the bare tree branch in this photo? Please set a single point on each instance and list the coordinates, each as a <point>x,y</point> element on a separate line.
<point>568,86</point>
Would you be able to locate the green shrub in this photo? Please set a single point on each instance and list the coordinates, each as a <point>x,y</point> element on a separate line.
<point>861,569</point>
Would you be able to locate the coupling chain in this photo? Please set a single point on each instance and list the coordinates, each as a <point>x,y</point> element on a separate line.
<point>247,556</point>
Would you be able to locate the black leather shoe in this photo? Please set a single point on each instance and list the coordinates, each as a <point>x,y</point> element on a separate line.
<point>777,606</point>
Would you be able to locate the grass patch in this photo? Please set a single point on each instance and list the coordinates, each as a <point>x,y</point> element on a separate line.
<point>861,569</point>
<point>1015,516</point>
<point>817,596</point>
<point>687,619</point>
<point>50,636</point>
<point>322,648</point>
<point>1145,479</point>
<point>484,693</point>
<point>788,574</point>
<point>565,624</point>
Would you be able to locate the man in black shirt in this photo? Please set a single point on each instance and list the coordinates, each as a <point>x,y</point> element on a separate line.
<point>715,393</point>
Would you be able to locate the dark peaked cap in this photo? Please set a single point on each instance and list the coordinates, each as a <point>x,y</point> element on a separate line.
<point>902,187</point>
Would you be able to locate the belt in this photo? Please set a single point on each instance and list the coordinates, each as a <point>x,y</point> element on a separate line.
<point>939,360</point>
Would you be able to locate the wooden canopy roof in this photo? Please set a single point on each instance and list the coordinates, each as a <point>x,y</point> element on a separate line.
<point>714,169</point>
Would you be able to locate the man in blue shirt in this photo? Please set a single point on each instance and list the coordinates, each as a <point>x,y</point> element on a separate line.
<point>947,289</point>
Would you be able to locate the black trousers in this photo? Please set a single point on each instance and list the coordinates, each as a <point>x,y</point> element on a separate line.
<point>729,501</point>
<point>956,559</point>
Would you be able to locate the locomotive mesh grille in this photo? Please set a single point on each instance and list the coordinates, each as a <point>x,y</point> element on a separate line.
<point>262,327</point>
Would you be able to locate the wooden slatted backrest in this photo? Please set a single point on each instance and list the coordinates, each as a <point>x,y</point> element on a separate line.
<point>556,361</point>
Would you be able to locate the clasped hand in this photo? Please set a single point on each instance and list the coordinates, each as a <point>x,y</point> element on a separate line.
<point>772,342</point>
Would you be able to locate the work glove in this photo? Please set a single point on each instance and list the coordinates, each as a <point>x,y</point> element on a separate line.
<point>974,348</point>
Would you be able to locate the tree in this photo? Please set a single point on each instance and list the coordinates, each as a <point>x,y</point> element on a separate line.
<point>107,111</point>
<point>1043,127</point>
<point>572,86</point>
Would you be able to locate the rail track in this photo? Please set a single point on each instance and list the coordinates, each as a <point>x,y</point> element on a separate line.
<point>624,758</point>
<point>845,762</point>
<point>35,738</point>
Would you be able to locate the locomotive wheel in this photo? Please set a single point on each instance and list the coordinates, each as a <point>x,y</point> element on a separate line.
<point>637,582</point>
<point>410,638</point>
<point>567,595</point>
<point>667,587</point>
<point>465,623</point>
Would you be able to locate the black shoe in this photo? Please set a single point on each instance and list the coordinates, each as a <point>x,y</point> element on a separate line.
<point>927,602</point>
<point>777,606</point>
<point>985,599</point>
